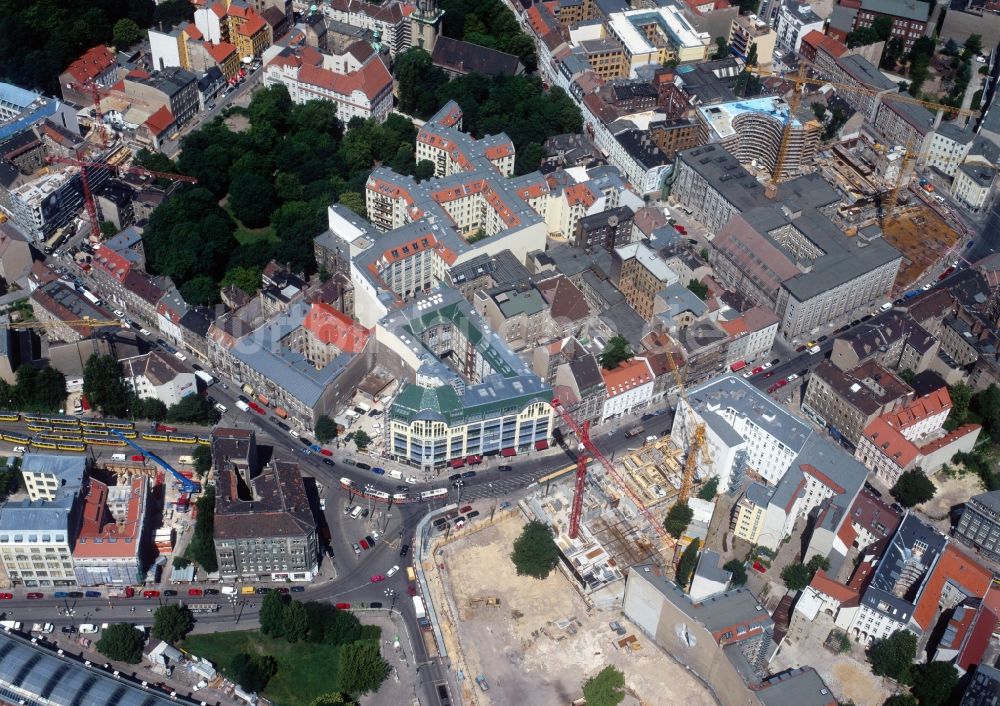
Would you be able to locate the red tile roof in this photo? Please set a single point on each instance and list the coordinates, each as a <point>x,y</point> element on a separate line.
<point>92,64</point>
<point>160,121</point>
<point>978,639</point>
<point>920,409</point>
<point>221,51</point>
<point>100,536</point>
<point>191,30</point>
<point>254,24</point>
<point>332,327</point>
<point>950,437</point>
<point>372,79</point>
<point>110,262</point>
<point>838,591</point>
<point>627,376</point>
<point>961,570</point>
<point>891,442</point>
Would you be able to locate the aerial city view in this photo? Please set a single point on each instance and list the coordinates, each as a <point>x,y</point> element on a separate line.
<point>499,353</point>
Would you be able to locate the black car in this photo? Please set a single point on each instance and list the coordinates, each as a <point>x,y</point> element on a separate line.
<point>403,488</point>
<point>646,417</point>
<point>211,591</point>
<point>365,513</point>
<point>304,441</point>
<point>243,399</point>
<point>282,425</point>
<point>440,521</point>
<point>374,413</point>
<point>298,589</point>
<point>803,372</point>
<point>196,366</point>
<point>363,466</point>
<point>474,513</point>
<point>505,469</point>
<point>855,322</point>
<point>866,317</point>
<point>404,550</point>
<point>68,629</point>
<point>261,590</point>
<point>161,342</point>
<point>211,400</point>
<point>775,361</point>
<point>328,461</point>
<point>374,604</point>
<point>75,594</point>
<point>469,474</point>
<point>455,476</point>
<point>371,542</point>
<point>169,593</point>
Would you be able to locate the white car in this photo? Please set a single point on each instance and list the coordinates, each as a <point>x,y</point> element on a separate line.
<point>293,433</point>
<point>767,365</point>
<point>792,377</point>
<point>411,480</point>
<point>180,356</point>
<point>144,332</point>
<point>119,313</point>
<point>748,373</point>
<point>391,572</point>
<point>20,450</point>
<point>927,286</point>
<point>322,503</point>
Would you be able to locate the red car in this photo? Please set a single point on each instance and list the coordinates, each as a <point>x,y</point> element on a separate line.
<point>35,596</point>
<point>150,594</point>
<point>467,508</point>
<point>343,606</point>
<point>281,589</point>
<point>758,369</point>
<point>781,383</point>
<point>6,596</point>
<point>195,592</point>
<point>326,452</point>
<point>138,457</point>
<point>378,577</point>
<point>411,589</point>
<point>363,543</point>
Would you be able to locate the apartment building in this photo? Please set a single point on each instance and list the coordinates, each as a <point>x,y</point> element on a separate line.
<point>979,524</point>
<point>747,519</point>
<point>640,274</point>
<point>124,284</point>
<point>871,84</point>
<point>41,205</point>
<point>729,635</point>
<point>358,88</point>
<point>66,310</point>
<point>848,401</point>
<point>390,20</point>
<point>973,185</point>
<point>608,229</point>
<point>752,130</point>
<point>490,403</point>
<point>919,573</point>
<point>109,549</point>
<point>159,376</point>
<point>172,89</point>
<point>796,20</point>
<point>904,123</point>
<point>745,431</point>
<point>97,66</point>
<point>264,528</point>
<point>37,536</point>
<point>517,312</point>
<point>909,18</point>
<point>655,36</point>
<point>47,476</point>
<point>629,388</point>
<point>750,31</point>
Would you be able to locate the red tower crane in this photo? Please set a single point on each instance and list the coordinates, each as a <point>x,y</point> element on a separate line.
<point>88,196</point>
<point>590,450</point>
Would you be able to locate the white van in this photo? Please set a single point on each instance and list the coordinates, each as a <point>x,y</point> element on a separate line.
<point>229,590</point>
<point>395,474</point>
<point>117,457</point>
<point>356,512</point>
<point>88,628</point>
<point>221,407</point>
<point>885,307</point>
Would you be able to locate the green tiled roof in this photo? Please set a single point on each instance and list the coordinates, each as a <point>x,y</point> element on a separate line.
<point>443,403</point>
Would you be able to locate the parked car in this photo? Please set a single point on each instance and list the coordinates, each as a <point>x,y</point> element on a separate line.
<point>363,466</point>
<point>392,572</point>
<point>363,543</point>
<point>357,549</point>
<point>377,578</point>
<point>454,477</point>
<point>474,513</point>
<point>169,592</point>
<point>6,596</point>
<point>195,592</point>
<point>343,606</point>
<point>404,550</point>
<point>469,474</point>
<point>298,589</point>
<point>262,590</point>
<point>375,604</point>
<point>505,469</point>
<point>150,594</point>
<point>377,470</point>
<point>211,591</point>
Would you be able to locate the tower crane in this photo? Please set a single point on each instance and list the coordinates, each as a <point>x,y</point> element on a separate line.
<point>590,450</point>
<point>800,79</point>
<point>187,485</point>
<point>698,446</point>
<point>88,195</point>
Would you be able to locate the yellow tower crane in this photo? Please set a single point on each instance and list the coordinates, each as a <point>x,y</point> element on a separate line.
<point>698,446</point>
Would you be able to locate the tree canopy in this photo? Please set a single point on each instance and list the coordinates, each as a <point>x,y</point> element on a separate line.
<point>326,429</point>
<point>913,488</point>
<point>606,688</point>
<point>202,459</point>
<point>710,489</point>
<point>193,409</point>
<point>362,668</point>
<point>535,552</point>
<point>488,23</point>
<point>893,656</point>
<point>41,389</point>
<point>795,576</point>
<point>104,387</point>
<point>677,520</point>
<point>517,106</point>
<point>738,569</point>
<point>933,683</point>
<point>40,38</point>
<point>688,563</point>
<point>122,643</point>
<point>272,614</point>
<point>172,622</point>
<point>252,672</point>
<point>201,548</point>
<point>617,350</point>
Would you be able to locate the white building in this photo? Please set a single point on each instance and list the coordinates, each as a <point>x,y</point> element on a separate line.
<point>160,376</point>
<point>45,475</point>
<point>973,185</point>
<point>745,430</point>
<point>657,35</point>
<point>359,87</point>
<point>630,387</point>
<point>794,22</point>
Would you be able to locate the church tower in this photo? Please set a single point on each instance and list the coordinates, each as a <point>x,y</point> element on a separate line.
<point>425,25</point>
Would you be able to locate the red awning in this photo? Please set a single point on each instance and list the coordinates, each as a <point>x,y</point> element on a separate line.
<point>457,463</point>
<point>471,460</point>
<point>507,453</point>
<point>541,445</point>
